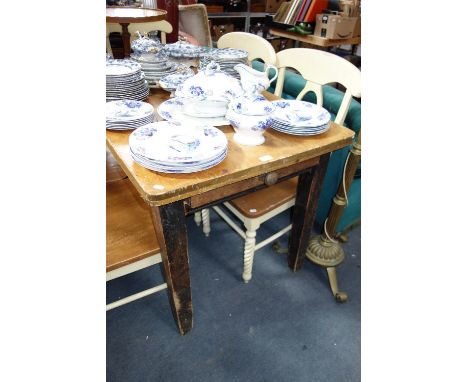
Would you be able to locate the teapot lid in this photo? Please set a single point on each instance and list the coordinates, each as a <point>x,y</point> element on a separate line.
<point>252,105</point>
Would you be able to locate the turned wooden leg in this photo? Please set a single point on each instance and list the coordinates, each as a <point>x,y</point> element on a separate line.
<point>307,195</point>
<point>206,221</point>
<point>249,249</point>
<point>171,231</point>
<point>125,40</point>
<point>197,218</point>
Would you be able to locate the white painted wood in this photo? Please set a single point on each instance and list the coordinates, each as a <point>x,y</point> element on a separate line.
<point>130,268</point>
<point>197,218</point>
<point>163,26</point>
<point>135,296</point>
<point>133,267</point>
<point>229,221</point>
<point>319,68</point>
<point>257,46</point>
<point>249,252</point>
<point>273,237</point>
<point>206,221</point>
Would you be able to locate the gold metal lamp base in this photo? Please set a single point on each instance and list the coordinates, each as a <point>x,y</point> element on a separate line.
<point>327,254</point>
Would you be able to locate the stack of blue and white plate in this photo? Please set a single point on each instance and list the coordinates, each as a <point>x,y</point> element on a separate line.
<point>165,147</point>
<point>300,118</point>
<point>155,66</point>
<point>124,80</point>
<point>128,114</point>
<point>227,58</point>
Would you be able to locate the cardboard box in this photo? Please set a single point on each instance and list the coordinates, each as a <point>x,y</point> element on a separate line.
<point>272,6</point>
<point>357,28</point>
<point>334,26</point>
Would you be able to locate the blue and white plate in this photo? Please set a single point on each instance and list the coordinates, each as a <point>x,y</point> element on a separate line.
<point>127,110</point>
<point>128,114</point>
<point>172,110</point>
<point>165,147</point>
<point>120,68</point>
<point>300,113</point>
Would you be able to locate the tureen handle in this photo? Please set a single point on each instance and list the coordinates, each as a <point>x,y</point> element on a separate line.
<point>212,67</point>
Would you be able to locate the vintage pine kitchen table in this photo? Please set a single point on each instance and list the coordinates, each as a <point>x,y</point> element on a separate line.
<point>171,197</point>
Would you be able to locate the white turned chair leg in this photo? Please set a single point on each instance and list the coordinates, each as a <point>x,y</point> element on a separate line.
<point>249,250</point>
<point>197,218</point>
<point>205,213</point>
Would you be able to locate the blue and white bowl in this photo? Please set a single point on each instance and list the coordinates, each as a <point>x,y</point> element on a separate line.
<point>249,128</point>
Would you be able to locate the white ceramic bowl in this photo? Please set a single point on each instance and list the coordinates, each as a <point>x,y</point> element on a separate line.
<point>249,128</point>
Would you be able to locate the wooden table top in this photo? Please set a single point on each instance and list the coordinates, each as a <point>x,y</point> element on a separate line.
<point>315,40</point>
<point>241,162</point>
<point>134,15</point>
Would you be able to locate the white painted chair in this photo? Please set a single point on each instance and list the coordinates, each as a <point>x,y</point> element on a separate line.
<point>318,68</point>
<point>131,243</point>
<point>258,47</point>
<point>163,26</point>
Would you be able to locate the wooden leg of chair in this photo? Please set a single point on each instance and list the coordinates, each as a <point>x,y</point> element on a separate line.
<point>206,221</point>
<point>249,249</point>
<point>171,231</point>
<point>249,252</point>
<point>307,195</point>
<point>197,218</point>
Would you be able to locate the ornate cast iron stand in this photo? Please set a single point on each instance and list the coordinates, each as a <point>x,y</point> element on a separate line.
<point>324,250</point>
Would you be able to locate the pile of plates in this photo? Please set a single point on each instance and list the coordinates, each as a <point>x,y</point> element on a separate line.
<point>177,110</point>
<point>155,66</point>
<point>182,49</point>
<point>128,114</point>
<point>124,80</point>
<point>300,118</point>
<point>226,58</point>
<point>165,147</point>
<point>171,81</point>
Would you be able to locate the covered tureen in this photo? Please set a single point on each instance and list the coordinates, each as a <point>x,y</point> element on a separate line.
<point>210,91</point>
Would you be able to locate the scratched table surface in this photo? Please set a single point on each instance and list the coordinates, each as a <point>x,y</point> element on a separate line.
<point>242,162</point>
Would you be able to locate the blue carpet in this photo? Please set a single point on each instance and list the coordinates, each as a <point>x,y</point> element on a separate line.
<point>281,326</point>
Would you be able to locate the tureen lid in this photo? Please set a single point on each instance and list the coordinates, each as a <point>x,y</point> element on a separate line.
<point>252,105</point>
<point>146,45</point>
<point>211,83</point>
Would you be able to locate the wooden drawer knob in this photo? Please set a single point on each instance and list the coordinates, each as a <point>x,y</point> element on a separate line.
<point>271,178</point>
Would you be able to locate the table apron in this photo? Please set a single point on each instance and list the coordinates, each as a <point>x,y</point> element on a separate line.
<point>235,190</point>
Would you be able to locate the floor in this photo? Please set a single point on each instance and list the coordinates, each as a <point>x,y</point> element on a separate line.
<point>282,326</point>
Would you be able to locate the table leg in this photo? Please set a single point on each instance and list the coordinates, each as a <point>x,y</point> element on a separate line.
<point>307,195</point>
<point>171,231</point>
<point>125,40</point>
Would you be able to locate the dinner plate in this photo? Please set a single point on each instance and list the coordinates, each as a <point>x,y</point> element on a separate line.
<point>172,110</point>
<point>128,110</point>
<point>300,113</point>
<point>183,144</point>
<point>121,68</point>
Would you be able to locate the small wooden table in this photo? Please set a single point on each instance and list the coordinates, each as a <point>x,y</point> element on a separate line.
<point>172,197</point>
<point>125,16</point>
<point>315,40</point>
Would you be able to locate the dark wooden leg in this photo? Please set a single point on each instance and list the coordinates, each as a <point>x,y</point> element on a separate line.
<point>171,231</point>
<point>125,40</point>
<point>307,195</point>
